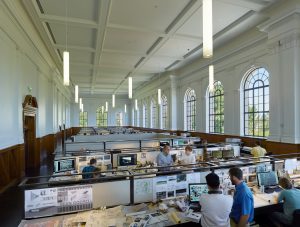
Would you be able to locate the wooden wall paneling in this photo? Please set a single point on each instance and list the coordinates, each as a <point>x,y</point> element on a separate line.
<point>4,168</point>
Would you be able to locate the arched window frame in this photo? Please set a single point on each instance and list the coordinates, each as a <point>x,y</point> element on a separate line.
<point>101,117</point>
<point>153,111</point>
<point>144,115</point>
<point>164,112</point>
<point>190,110</point>
<point>256,102</point>
<point>83,119</point>
<point>216,108</point>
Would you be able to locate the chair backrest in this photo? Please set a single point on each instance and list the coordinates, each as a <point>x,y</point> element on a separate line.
<point>296,217</point>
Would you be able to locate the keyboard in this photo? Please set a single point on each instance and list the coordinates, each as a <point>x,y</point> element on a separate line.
<point>273,189</point>
<point>195,207</point>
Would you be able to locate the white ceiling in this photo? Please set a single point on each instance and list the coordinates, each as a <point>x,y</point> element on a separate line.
<point>111,39</point>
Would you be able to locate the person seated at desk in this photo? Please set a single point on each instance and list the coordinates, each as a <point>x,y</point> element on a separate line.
<point>187,156</point>
<point>164,158</point>
<point>87,171</point>
<point>291,198</point>
<point>242,212</point>
<point>258,151</point>
<point>215,207</point>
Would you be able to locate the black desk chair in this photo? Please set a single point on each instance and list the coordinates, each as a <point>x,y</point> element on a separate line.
<point>296,218</point>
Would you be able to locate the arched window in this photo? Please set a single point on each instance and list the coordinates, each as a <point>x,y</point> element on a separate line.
<point>83,119</point>
<point>133,117</point>
<point>153,113</point>
<point>256,103</point>
<point>190,110</point>
<point>164,112</point>
<point>138,118</point>
<point>216,109</point>
<point>101,117</point>
<point>119,119</point>
<point>144,115</point>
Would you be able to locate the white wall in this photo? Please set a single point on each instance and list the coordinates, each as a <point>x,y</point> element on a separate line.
<point>25,63</point>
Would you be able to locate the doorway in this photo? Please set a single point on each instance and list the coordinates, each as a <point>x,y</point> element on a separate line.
<point>32,157</point>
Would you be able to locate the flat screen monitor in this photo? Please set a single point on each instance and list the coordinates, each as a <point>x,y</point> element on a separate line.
<point>195,191</point>
<point>127,159</point>
<point>62,165</point>
<point>217,154</point>
<point>267,178</point>
<point>228,153</point>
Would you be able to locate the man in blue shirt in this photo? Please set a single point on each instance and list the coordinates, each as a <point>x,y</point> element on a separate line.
<point>291,198</point>
<point>242,212</point>
<point>164,158</point>
<point>87,171</point>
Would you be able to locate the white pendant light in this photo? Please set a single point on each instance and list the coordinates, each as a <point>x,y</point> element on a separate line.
<point>207,29</point>
<point>125,108</point>
<point>136,104</point>
<point>106,106</point>
<point>81,107</point>
<point>113,101</point>
<point>159,96</point>
<point>211,78</point>
<point>80,102</point>
<point>66,68</point>
<point>130,87</point>
<point>76,93</point>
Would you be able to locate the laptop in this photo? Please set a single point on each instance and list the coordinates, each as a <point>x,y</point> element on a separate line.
<point>195,191</point>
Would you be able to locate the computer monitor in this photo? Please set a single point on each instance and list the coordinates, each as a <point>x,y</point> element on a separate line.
<point>62,165</point>
<point>195,191</point>
<point>127,159</point>
<point>217,154</point>
<point>228,153</point>
<point>267,178</point>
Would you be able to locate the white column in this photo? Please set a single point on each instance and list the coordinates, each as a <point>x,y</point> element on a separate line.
<point>173,103</point>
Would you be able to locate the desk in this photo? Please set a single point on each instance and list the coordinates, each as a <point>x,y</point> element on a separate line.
<point>263,199</point>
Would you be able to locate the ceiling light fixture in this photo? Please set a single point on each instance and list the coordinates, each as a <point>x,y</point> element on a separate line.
<point>66,55</point>
<point>125,108</point>
<point>106,106</point>
<point>113,101</point>
<point>211,78</point>
<point>136,105</point>
<point>130,87</point>
<point>207,29</point>
<point>159,96</point>
<point>76,93</point>
<point>80,102</point>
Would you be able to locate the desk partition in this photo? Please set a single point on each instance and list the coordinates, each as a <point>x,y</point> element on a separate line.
<point>133,187</point>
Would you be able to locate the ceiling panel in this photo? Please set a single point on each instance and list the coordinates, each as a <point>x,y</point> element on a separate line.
<point>119,39</point>
<point>73,8</point>
<point>118,59</point>
<point>152,14</point>
<point>158,63</point>
<point>79,56</point>
<point>73,35</point>
<point>177,48</point>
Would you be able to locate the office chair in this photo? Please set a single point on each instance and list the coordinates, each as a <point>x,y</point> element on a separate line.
<point>296,218</point>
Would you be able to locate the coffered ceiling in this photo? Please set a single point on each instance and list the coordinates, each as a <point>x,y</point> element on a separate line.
<point>109,40</point>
